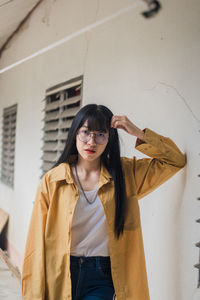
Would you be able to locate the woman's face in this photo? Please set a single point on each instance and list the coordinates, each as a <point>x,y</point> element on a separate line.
<point>91,144</point>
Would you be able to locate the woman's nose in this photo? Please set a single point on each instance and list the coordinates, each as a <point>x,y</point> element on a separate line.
<point>92,139</point>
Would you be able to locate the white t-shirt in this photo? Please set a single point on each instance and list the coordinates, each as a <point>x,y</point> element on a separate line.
<point>89,228</point>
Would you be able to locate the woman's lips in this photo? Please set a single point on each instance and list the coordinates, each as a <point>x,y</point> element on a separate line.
<point>89,151</point>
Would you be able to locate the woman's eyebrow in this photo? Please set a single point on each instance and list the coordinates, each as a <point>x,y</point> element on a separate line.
<point>100,130</point>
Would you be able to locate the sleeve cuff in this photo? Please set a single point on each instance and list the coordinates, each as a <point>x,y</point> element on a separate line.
<point>139,141</point>
<point>151,139</point>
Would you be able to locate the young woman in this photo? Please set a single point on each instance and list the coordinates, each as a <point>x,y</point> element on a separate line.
<point>85,238</point>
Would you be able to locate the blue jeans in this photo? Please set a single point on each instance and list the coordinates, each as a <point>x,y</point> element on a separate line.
<point>91,278</point>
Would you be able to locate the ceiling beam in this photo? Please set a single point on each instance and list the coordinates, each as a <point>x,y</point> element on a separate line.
<point>3,47</point>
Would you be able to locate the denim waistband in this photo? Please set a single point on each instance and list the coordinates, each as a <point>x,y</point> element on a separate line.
<point>103,261</point>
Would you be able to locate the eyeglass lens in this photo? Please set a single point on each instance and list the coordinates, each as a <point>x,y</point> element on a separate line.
<point>85,136</point>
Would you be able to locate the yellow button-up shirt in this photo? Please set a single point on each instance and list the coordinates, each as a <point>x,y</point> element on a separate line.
<point>46,266</point>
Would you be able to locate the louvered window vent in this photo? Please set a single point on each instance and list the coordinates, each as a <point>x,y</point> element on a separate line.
<point>8,145</point>
<point>62,102</point>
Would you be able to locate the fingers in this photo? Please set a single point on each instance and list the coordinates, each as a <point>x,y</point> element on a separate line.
<point>122,122</point>
<point>119,121</point>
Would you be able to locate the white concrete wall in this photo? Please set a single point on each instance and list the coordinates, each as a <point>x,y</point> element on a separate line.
<point>146,69</point>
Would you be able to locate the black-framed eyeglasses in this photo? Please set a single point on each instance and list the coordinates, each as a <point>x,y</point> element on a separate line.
<point>99,137</point>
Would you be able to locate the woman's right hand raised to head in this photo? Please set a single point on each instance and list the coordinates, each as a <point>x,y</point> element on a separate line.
<point>122,122</point>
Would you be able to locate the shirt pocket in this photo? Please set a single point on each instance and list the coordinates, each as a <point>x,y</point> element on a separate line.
<point>132,217</point>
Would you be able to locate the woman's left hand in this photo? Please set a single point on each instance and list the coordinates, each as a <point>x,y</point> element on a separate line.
<point>122,122</point>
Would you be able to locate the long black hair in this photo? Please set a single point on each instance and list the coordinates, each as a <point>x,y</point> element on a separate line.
<point>99,118</point>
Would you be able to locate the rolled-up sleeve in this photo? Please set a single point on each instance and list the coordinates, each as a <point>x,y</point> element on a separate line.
<point>166,159</point>
<point>33,270</point>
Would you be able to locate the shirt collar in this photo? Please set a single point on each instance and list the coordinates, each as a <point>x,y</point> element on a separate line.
<point>63,172</point>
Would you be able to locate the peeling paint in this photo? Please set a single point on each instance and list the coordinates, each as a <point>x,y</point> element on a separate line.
<point>47,12</point>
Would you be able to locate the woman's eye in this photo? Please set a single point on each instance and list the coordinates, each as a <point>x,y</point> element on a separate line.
<point>85,132</point>
<point>100,134</point>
